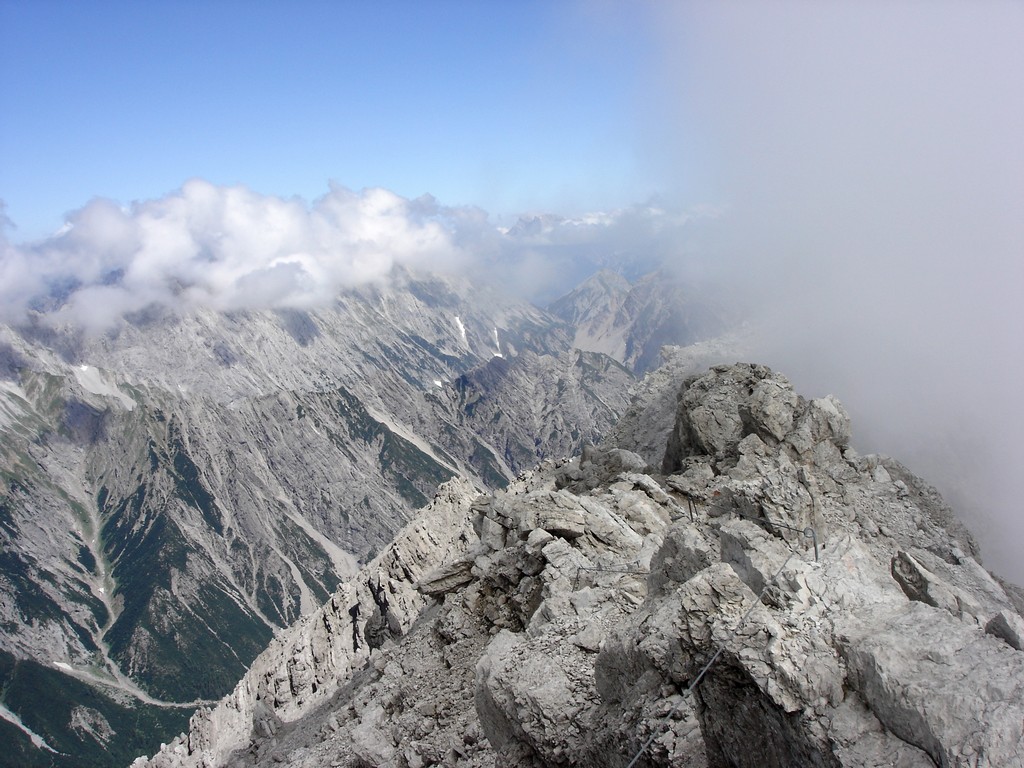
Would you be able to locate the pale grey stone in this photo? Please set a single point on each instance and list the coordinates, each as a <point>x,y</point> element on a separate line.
<point>942,686</point>
<point>1009,626</point>
<point>552,650</point>
<point>446,578</point>
<point>921,584</point>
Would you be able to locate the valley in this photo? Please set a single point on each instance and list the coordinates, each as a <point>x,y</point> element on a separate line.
<point>181,488</point>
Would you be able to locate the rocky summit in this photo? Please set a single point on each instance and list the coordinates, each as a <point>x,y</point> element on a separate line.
<point>752,592</point>
<point>176,489</point>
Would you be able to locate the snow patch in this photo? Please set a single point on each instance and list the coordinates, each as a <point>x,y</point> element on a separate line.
<point>462,329</point>
<point>96,382</point>
<point>62,665</point>
<point>437,383</point>
<point>497,344</point>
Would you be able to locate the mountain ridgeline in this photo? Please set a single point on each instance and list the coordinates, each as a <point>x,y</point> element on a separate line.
<point>180,488</point>
<point>752,593</point>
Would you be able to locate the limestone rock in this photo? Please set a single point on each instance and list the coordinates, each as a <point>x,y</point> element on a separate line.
<point>1009,626</point>
<point>446,578</point>
<point>717,410</point>
<point>303,668</point>
<point>370,740</point>
<point>677,620</point>
<point>944,687</point>
<point>684,553</point>
<point>921,584</point>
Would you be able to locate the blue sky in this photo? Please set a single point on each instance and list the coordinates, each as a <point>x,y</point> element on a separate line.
<point>508,105</point>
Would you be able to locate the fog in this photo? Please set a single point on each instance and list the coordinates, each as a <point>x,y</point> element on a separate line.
<point>867,160</point>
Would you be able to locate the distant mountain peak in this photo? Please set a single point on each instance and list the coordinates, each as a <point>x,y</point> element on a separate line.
<point>632,321</point>
<point>180,487</point>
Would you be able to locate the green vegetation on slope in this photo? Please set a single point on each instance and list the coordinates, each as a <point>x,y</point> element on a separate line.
<point>414,473</point>
<point>90,728</point>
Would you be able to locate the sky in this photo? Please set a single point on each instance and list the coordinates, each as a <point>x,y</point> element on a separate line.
<point>851,172</point>
<point>510,106</point>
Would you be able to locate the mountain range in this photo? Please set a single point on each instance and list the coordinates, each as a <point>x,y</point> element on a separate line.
<point>179,489</point>
<point>752,592</point>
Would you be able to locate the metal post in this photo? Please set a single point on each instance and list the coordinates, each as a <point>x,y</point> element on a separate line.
<point>812,534</point>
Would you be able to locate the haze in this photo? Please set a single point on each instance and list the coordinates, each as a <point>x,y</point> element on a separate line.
<point>870,161</point>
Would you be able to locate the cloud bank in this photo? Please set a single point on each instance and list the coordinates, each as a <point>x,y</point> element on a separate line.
<point>218,247</point>
<point>869,161</point>
<point>229,248</point>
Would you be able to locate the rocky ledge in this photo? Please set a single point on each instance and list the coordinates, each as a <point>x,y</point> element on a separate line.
<point>761,595</point>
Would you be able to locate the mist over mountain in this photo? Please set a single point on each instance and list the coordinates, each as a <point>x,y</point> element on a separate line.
<point>901,313</point>
<point>631,322</point>
<point>867,165</point>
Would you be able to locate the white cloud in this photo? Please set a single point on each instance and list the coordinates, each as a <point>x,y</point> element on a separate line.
<point>230,248</point>
<point>220,247</point>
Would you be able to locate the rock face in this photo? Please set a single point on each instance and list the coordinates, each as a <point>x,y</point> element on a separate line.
<point>303,668</point>
<point>178,489</point>
<point>631,322</point>
<point>650,417</point>
<point>768,598</point>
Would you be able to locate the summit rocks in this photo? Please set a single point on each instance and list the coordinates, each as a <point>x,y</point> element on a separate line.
<point>176,490</point>
<point>758,595</point>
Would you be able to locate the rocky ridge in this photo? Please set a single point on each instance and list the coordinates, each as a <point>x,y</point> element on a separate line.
<point>757,595</point>
<point>175,490</point>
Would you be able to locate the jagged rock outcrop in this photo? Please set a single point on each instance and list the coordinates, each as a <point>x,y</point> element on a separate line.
<point>771,598</point>
<point>303,667</point>
<point>650,417</point>
<point>176,489</point>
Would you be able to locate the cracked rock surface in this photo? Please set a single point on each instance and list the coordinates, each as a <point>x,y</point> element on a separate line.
<point>760,595</point>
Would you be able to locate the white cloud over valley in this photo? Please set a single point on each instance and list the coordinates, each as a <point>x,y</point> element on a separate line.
<point>218,247</point>
<point>228,248</point>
